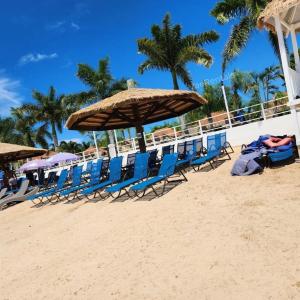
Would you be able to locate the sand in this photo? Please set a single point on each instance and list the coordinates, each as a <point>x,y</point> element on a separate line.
<point>214,237</point>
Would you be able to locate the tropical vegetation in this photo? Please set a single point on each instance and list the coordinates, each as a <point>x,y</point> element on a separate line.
<point>244,13</point>
<point>37,123</point>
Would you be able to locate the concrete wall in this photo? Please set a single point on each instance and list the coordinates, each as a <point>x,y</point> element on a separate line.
<point>276,126</point>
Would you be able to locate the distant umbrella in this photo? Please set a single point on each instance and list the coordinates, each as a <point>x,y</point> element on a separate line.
<point>11,152</point>
<point>35,165</point>
<point>62,157</point>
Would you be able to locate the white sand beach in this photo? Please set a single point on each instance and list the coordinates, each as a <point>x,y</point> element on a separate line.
<point>213,237</point>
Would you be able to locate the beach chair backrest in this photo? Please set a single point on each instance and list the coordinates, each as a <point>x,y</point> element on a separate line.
<point>214,143</point>
<point>62,179</point>
<point>96,172</point>
<point>167,150</point>
<point>105,165</point>
<point>223,138</point>
<point>198,145</point>
<point>152,158</point>
<point>51,177</point>
<point>181,150</point>
<point>76,178</point>
<point>189,147</point>
<point>168,165</point>
<point>115,169</point>
<point>89,166</point>
<point>141,165</point>
<point>130,159</point>
<point>3,192</point>
<point>23,188</point>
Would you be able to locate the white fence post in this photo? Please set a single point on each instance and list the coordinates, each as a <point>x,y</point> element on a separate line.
<point>96,145</point>
<point>153,139</point>
<point>175,134</point>
<point>226,104</point>
<point>200,127</point>
<point>263,110</point>
<point>133,144</point>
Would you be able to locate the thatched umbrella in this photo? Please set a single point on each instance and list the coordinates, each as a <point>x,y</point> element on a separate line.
<point>11,152</point>
<point>135,108</point>
<point>288,10</point>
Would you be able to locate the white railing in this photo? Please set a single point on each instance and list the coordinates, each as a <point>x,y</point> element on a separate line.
<point>253,113</point>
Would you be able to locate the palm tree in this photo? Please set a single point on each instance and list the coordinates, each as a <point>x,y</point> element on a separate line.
<point>238,81</point>
<point>245,12</point>
<point>213,95</point>
<point>50,110</point>
<point>31,132</point>
<point>169,51</point>
<point>8,132</point>
<point>73,147</point>
<point>267,78</point>
<point>101,84</point>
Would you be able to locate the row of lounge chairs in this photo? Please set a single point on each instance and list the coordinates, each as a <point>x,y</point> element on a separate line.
<point>137,177</point>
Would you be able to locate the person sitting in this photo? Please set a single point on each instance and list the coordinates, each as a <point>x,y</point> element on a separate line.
<point>273,142</point>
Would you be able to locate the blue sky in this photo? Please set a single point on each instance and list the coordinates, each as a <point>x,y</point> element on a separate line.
<point>42,41</point>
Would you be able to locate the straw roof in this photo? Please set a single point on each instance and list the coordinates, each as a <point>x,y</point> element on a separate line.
<point>134,107</point>
<point>288,10</point>
<point>11,152</point>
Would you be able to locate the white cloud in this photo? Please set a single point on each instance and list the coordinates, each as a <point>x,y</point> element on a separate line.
<point>56,26</point>
<point>33,58</point>
<point>75,26</point>
<point>9,95</point>
<point>62,26</point>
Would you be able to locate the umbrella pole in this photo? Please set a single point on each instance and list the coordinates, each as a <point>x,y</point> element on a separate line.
<point>140,136</point>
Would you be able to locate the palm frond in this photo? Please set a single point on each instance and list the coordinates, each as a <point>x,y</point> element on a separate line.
<point>185,76</point>
<point>195,54</point>
<point>226,10</point>
<point>237,40</point>
<point>201,39</point>
<point>86,74</point>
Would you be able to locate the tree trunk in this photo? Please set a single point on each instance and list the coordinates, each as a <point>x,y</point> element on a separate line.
<point>54,135</point>
<point>141,140</point>
<point>176,87</point>
<point>175,82</point>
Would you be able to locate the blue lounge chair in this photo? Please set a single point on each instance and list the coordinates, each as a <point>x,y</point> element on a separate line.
<point>181,150</point>
<point>115,172</point>
<point>188,155</point>
<point>88,168</point>
<point>140,173</point>
<point>49,193</point>
<point>129,165</point>
<point>166,170</point>
<point>152,163</point>
<point>167,150</point>
<point>213,151</point>
<point>277,159</point>
<point>56,193</point>
<point>224,143</point>
<point>95,177</point>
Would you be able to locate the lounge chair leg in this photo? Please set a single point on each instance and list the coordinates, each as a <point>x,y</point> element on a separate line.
<point>154,191</point>
<point>226,152</point>
<point>212,166</point>
<point>182,173</point>
<point>139,195</point>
